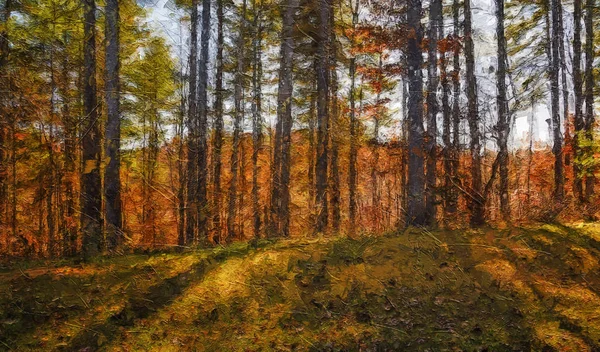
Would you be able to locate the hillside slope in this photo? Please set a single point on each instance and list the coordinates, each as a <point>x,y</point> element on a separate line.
<point>519,289</point>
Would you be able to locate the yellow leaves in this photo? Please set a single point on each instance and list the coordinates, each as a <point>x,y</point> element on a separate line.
<point>90,166</point>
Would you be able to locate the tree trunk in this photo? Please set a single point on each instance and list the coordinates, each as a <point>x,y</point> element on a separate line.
<point>256,114</point>
<point>353,168</point>
<point>280,193</point>
<point>446,135</point>
<point>503,125</point>
<point>578,92</point>
<point>416,154</point>
<point>323,54</point>
<point>477,201</point>
<point>435,24</point>
<point>565,88</point>
<point>218,129</point>
<point>555,94</point>
<point>202,201</point>
<point>193,126</point>
<point>453,201</point>
<point>91,188</point>
<point>4,103</point>
<point>590,180</point>
<point>69,232</point>
<point>335,197</point>
<point>237,129</point>
<point>112,178</point>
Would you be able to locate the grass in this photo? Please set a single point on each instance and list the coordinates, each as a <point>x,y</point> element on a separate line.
<point>534,288</point>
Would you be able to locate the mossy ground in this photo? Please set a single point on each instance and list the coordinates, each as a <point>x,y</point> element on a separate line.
<point>518,289</point>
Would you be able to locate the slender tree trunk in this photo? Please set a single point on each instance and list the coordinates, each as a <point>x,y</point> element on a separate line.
<point>453,201</point>
<point>565,86</point>
<point>335,197</point>
<point>353,167</point>
<point>555,94</point>
<point>237,129</point>
<point>578,92</point>
<point>203,210</point>
<point>193,126</point>
<point>312,147</point>
<point>416,154</point>
<point>218,129</point>
<point>70,230</point>
<point>256,114</point>
<point>446,135</point>
<point>112,177</point>
<point>590,179</point>
<point>530,153</point>
<point>280,193</point>
<point>503,125</point>
<point>323,54</point>
<point>91,187</point>
<point>4,104</point>
<point>435,23</point>
<point>477,201</point>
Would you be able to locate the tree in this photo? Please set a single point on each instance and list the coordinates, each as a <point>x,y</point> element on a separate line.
<point>476,197</point>
<point>323,55</point>
<point>455,154</point>
<point>353,168</point>
<point>435,24</point>
<point>590,180</point>
<point>218,127</point>
<point>578,92</point>
<point>559,178</point>
<point>237,125</point>
<point>256,112</point>
<point>112,177</point>
<point>503,124</point>
<point>91,188</point>
<point>416,173</point>
<point>193,132</point>
<point>335,197</point>
<point>202,147</point>
<point>280,193</point>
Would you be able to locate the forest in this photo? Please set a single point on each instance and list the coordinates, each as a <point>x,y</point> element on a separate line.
<point>319,175</point>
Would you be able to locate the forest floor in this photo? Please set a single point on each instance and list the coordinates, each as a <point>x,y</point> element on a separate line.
<point>526,288</point>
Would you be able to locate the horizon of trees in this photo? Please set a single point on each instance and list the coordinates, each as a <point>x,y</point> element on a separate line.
<point>107,142</point>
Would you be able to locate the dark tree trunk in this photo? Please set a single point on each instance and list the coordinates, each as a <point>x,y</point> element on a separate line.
<point>477,201</point>
<point>564,83</point>
<point>112,177</point>
<point>590,180</point>
<point>91,187</point>
<point>335,197</point>
<point>416,154</point>
<point>202,200</point>
<point>4,103</point>
<point>353,168</point>
<point>256,115</point>
<point>218,129</point>
<point>280,193</point>
<point>453,197</point>
<point>559,179</point>
<point>323,54</point>
<point>435,24</point>
<point>446,134</point>
<point>237,128</point>
<point>69,231</point>
<point>503,125</point>
<point>193,126</point>
<point>578,92</point>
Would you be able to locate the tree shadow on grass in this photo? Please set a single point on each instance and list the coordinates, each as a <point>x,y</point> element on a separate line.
<point>142,305</point>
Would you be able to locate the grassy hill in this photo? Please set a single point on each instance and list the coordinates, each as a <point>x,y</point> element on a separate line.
<point>532,288</point>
